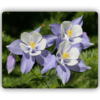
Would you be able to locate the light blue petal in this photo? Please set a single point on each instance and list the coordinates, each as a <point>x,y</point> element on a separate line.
<point>51,63</point>
<point>77,21</point>
<point>27,63</point>
<point>85,41</point>
<point>80,67</point>
<point>55,28</point>
<point>85,34</point>
<point>58,41</point>
<point>85,45</point>
<point>43,57</point>
<point>14,47</point>
<point>50,40</point>
<point>37,30</point>
<point>63,75</point>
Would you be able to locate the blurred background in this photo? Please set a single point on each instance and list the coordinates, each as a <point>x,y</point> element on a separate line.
<point>14,23</point>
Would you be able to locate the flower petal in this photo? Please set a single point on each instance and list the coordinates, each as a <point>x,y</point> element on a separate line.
<point>36,37</point>
<point>77,21</point>
<point>55,28</point>
<point>85,36</point>
<point>64,46</point>
<point>58,41</point>
<point>79,67</point>
<point>24,47</point>
<point>14,47</point>
<point>26,37</point>
<point>50,40</point>
<point>27,64</point>
<point>37,30</point>
<point>42,59</point>
<point>35,53</point>
<point>63,75</point>
<point>77,45</point>
<point>51,63</point>
<point>72,62</point>
<point>81,23</point>
<point>77,30</point>
<point>41,45</point>
<point>66,25</point>
<point>73,53</point>
<point>85,43</point>
<point>76,40</point>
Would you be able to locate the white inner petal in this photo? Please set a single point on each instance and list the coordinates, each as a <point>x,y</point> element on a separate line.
<point>41,45</point>
<point>77,30</point>
<point>76,40</point>
<point>26,37</point>
<point>74,53</point>
<point>72,62</point>
<point>36,37</point>
<point>64,46</point>
<point>24,47</point>
<point>66,25</point>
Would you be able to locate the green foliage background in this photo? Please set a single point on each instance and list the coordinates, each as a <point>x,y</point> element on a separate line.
<point>14,23</point>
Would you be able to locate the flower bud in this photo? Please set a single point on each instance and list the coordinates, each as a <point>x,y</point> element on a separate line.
<point>11,60</point>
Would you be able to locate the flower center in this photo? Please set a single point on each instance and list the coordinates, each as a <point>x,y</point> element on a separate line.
<point>65,55</point>
<point>32,44</point>
<point>69,32</point>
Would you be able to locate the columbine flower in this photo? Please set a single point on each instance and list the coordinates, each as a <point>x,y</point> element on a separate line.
<point>14,47</point>
<point>66,54</point>
<point>31,47</point>
<point>32,43</point>
<point>67,30</point>
<point>71,33</point>
<point>11,60</point>
<point>67,59</point>
<point>56,30</point>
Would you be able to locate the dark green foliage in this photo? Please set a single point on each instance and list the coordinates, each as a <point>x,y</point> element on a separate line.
<point>14,23</point>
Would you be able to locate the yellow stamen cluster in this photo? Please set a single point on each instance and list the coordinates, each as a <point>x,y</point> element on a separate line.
<point>65,55</point>
<point>69,32</point>
<point>32,44</point>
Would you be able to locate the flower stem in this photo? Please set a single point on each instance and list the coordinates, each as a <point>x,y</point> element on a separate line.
<point>39,77</point>
<point>53,50</point>
<point>35,74</point>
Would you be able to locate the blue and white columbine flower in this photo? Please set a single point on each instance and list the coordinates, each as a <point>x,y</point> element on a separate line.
<point>71,31</point>
<point>32,43</point>
<point>66,54</point>
<point>64,31</point>
<point>31,46</point>
<point>67,59</point>
<point>56,30</point>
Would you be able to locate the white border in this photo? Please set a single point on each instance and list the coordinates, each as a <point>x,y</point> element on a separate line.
<point>48,7</point>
